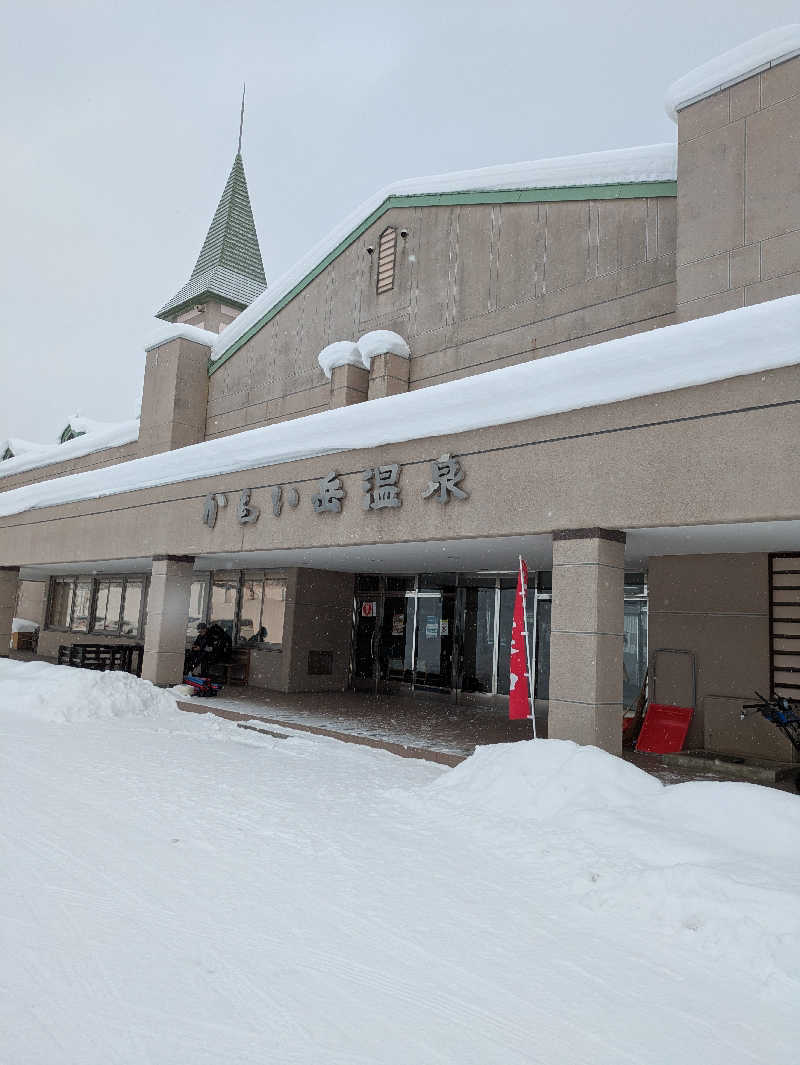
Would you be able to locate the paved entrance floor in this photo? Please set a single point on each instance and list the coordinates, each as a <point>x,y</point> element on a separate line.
<point>428,726</point>
<point>422,726</point>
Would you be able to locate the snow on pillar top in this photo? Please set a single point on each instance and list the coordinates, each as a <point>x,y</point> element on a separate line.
<point>382,342</point>
<point>760,53</point>
<point>339,353</point>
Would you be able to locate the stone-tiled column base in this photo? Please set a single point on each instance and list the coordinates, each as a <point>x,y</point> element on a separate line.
<point>167,619</point>
<point>9,581</point>
<point>586,637</point>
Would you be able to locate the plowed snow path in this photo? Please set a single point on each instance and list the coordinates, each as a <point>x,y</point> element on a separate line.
<point>190,893</point>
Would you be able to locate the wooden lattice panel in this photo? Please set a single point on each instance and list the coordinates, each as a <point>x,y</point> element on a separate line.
<point>784,624</point>
<point>387,247</point>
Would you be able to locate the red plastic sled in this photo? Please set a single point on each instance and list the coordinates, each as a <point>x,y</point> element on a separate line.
<point>664,729</point>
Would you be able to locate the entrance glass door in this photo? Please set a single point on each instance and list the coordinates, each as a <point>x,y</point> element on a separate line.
<point>365,641</point>
<point>383,637</point>
<point>397,638</point>
<point>436,614</point>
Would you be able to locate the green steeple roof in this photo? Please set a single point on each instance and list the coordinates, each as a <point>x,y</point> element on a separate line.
<point>229,265</point>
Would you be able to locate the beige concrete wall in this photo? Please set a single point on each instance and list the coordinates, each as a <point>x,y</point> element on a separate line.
<point>476,287</point>
<point>267,670</point>
<point>318,618</point>
<point>706,455</point>
<point>738,195</point>
<point>319,608</point>
<point>210,314</point>
<point>717,607</point>
<point>175,396</point>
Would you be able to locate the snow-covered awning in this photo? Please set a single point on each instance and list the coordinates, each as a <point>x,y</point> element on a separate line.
<point>745,341</point>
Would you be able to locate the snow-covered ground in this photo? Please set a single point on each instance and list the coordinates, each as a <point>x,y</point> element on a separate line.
<point>175,889</point>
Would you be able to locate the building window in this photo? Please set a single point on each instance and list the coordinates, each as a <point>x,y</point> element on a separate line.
<point>198,607</point>
<point>59,613</point>
<point>248,605</point>
<point>111,605</point>
<point>262,609</point>
<point>132,604</point>
<point>224,601</point>
<point>118,606</point>
<point>81,605</point>
<point>387,247</point>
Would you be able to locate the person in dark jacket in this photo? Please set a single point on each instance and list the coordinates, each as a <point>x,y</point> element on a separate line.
<point>213,644</point>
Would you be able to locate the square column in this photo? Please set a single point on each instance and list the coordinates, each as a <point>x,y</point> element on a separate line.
<point>349,384</point>
<point>586,637</point>
<point>9,582</point>
<point>167,619</point>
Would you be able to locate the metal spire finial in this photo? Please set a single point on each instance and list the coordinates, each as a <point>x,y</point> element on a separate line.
<point>241,121</point>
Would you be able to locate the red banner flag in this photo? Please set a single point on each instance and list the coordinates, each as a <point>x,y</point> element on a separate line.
<point>519,692</point>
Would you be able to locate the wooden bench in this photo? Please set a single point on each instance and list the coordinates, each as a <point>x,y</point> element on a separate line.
<point>103,656</point>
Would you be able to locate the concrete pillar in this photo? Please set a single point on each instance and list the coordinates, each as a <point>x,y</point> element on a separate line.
<point>174,396</point>
<point>388,375</point>
<point>349,384</point>
<point>586,637</point>
<point>167,619</point>
<point>9,581</point>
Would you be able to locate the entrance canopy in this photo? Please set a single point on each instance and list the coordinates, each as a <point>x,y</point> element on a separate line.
<point>489,555</point>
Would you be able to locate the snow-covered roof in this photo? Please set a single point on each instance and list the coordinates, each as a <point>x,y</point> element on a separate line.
<point>95,436</point>
<point>623,166</point>
<point>745,341</point>
<point>766,50</point>
<point>19,447</point>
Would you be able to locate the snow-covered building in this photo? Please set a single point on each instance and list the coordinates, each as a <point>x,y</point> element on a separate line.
<point>592,362</point>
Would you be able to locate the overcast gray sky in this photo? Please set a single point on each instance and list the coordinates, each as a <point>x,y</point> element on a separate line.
<point>120,120</point>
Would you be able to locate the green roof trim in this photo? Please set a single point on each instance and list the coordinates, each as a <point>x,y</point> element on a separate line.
<point>621,191</point>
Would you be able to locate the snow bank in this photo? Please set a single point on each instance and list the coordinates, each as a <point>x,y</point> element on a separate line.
<point>97,436</point>
<point>653,162</point>
<point>544,778</point>
<point>707,861</point>
<point>382,342</point>
<point>745,341</point>
<point>339,353</point>
<point>65,694</point>
<point>741,62</point>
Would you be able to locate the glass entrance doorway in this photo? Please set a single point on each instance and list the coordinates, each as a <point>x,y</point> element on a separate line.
<point>384,630</point>
<point>451,634</point>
